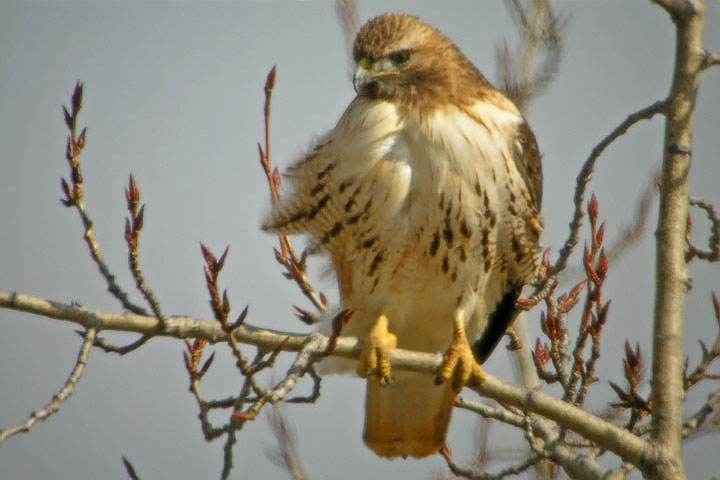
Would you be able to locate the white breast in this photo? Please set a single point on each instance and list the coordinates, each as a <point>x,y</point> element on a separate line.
<point>425,175</point>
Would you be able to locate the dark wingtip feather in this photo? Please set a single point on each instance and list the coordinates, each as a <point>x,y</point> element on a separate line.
<point>498,322</point>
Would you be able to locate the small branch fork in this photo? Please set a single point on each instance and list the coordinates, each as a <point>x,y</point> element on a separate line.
<point>252,392</point>
<point>61,396</point>
<point>73,192</point>
<point>709,355</point>
<point>575,379</point>
<point>295,265</point>
<point>74,198</point>
<point>474,474</point>
<point>586,174</point>
<point>549,278</point>
<point>253,396</point>
<point>630,397</point>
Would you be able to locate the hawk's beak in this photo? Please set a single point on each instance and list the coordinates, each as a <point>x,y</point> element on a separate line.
<point>363,75</point>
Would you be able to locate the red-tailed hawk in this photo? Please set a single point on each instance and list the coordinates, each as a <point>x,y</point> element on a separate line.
<point>426,197</point>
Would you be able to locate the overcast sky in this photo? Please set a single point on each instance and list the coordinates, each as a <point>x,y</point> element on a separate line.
<point>173,93</point>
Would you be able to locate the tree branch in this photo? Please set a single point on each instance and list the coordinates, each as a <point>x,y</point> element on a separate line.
<point>606,435</point>
<point>713,254</point>
<point>61,396</point>
<point>586,173</point>
<point>671,270</point>
<point>710,59</point>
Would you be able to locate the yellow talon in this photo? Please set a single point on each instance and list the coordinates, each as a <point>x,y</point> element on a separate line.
<point>459,365</point>
<point>375,355</point>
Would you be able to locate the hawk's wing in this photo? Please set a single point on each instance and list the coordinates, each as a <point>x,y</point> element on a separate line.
<point>526,157</point>
<point>343,180</point>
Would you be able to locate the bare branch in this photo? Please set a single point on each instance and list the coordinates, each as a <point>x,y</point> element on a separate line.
<point>713,254</point>
<point>130,469</point>
<point>286,256</point>
<point>671,269</point>
<point>549,280</point>
<point>74,198</point>
<point>121,349</point>
<point>708,354</point>
<point>227,454</point>
<point>606,435</point>
<point>696,422</point>
<point>61,396</point>
<point>710,59</point>
<point>630,234</point>
<point>586,173</point>
<point>473,474</point>
<point>548,437</point>
<point>133,226</point>
<point>488,411</point>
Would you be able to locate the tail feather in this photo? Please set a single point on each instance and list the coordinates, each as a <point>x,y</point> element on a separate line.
<point>409,417</point>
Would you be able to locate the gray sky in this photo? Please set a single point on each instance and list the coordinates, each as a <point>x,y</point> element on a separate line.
<point>173,93</point>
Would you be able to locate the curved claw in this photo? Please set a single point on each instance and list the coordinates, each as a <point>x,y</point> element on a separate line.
<point>375,356</point>
<point>459,364</point>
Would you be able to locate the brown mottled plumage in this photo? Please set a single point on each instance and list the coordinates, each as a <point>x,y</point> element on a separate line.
<point>426,196</point>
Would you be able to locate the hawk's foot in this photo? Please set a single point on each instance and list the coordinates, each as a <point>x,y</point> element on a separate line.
<point>375,356</point>
<point>459,365</point>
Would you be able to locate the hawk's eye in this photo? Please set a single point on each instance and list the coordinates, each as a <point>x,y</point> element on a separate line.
<point>399,57</point>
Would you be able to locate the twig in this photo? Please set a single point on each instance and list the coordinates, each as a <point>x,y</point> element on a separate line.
<point>473,474</point>
<point>629,235</point>
<point>74,198</point>
<point>546,284</point>
<point>133,226</point>
<point>577,466</point>
<point>708,355</point>
<point>710,59</point>
<point>713,254</point>
<point>630,398</point>
<point>315,394</point>
<point>487,411</point>
<point>227,454</point>
<point>121,349</point>
<point>286,256</point>
<point>130,469</point>
<point>586,173</point>
<point>594,313</point>
<point>265,358</point>
<point>61,396</point>
<point>696,422</point>
<point>692,424</point>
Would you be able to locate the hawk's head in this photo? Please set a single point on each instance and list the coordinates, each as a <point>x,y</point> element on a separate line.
<point>400,58</point>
